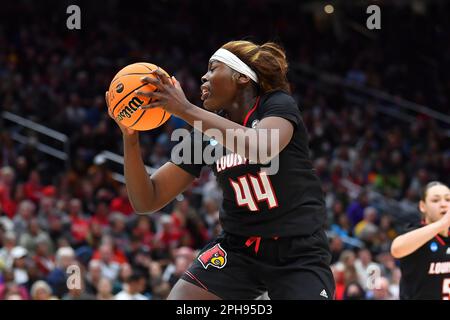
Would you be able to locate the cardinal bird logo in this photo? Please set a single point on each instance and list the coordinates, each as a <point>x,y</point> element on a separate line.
<point>215,256</point>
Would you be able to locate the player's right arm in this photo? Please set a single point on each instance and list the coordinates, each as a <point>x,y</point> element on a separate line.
<point>148,194</point>
<point>411,241</point>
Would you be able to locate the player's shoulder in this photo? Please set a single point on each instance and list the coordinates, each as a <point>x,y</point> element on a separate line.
<point>277,97</point>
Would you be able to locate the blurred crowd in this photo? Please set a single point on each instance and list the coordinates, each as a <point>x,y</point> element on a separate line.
<point>372,167</point>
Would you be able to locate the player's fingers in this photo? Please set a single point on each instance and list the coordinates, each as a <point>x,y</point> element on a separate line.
<point>176,83</point>
<point>153,105</point>
<point>149,94</point>
<point>107,98</point>
<point>153,81</point>
<point>162,77</point>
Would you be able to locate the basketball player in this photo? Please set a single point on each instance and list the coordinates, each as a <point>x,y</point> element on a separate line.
<point>273,224</point>
<point>424,251</point>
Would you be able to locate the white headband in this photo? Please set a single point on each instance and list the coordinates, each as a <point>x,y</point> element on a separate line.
<point>234,63</point>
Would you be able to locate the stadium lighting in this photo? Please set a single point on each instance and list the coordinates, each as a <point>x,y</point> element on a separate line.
<point>329,9</point>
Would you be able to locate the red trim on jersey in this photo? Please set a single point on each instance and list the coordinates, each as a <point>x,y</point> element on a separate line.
<point>256,240</point>
<point>251,111</point>
<point>439,239</point>
<point>195,279</point>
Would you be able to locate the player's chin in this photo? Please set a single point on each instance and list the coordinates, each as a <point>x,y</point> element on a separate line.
<point>209,105</point>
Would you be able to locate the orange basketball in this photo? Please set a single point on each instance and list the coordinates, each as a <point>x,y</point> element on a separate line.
<point>124,103</point>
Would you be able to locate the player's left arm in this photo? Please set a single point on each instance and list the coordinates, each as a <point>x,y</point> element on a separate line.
<point>260,144</point>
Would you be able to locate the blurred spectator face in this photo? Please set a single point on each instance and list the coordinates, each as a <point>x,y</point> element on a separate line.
<point>387,260</point>
<point>7,176</point>
<point>87,190</point>
<point>422,175</point>
<point>41,291</point>
<point>42,294</point>
<point>125,271</point>
<point>47,204</point>
<point>20,263</point>
<point>106,253</point>
<point>436,204</point>
<point>155,269</point>
<point>385,222</point>
<point>182,263</point>
<point>42,248</point>
<point>338,271</point>
<point>396,276</point>
<point>365,256</point>
<point>344,222</point>
<point>143,224</point>
<point>34,177</point>
<point>96,229</point>
<point>12,289</point>
<point>13,296</point>
<point>26,209</point>
<point>370,214</point>
<point>95,270</point>
<point>411,195</point>
<point>62,205</point>
<point>104,287</point>
<point>363,199</point>
<point>381,291</point>
<point>9,240</point>
<point>336,244</point>
<point>118,224</point>
<point>65,256</point>
<point>348,258</point>
<point>34,226</point>
<point>354,292</point>
<point>136,285</point>
<point>338,208</point>
<point>183,206</point>
<point>75,206</point>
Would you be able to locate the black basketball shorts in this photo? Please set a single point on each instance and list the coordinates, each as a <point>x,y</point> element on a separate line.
<point>235,267</point>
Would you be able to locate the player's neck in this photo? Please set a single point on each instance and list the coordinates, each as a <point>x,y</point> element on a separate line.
<point>242,105</point>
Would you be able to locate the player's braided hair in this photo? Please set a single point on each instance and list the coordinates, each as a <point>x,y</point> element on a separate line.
<point>267,60</point>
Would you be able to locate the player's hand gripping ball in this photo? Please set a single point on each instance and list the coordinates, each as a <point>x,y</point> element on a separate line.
<point>125,105</point>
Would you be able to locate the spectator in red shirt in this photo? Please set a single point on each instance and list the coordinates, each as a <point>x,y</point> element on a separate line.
<point>170,235</point>
<point>117,254</point>
<point>101,215</point>
<point>43,259</point>
<point>7,182</point>
<point>33,188</point>
<point>143,231</point>
<point>121,203</point>
<point>80,225</point>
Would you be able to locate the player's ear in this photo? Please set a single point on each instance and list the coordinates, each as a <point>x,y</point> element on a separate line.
<point>422,207</point>
<point>240,78</point>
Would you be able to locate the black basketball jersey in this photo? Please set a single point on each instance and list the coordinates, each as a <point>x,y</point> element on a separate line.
<point>255,203</point>
<point>426,272</point>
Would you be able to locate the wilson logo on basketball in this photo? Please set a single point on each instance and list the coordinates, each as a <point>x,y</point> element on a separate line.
<point>216,257</point>
<point>131,108</point>
<point>119,88</point>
